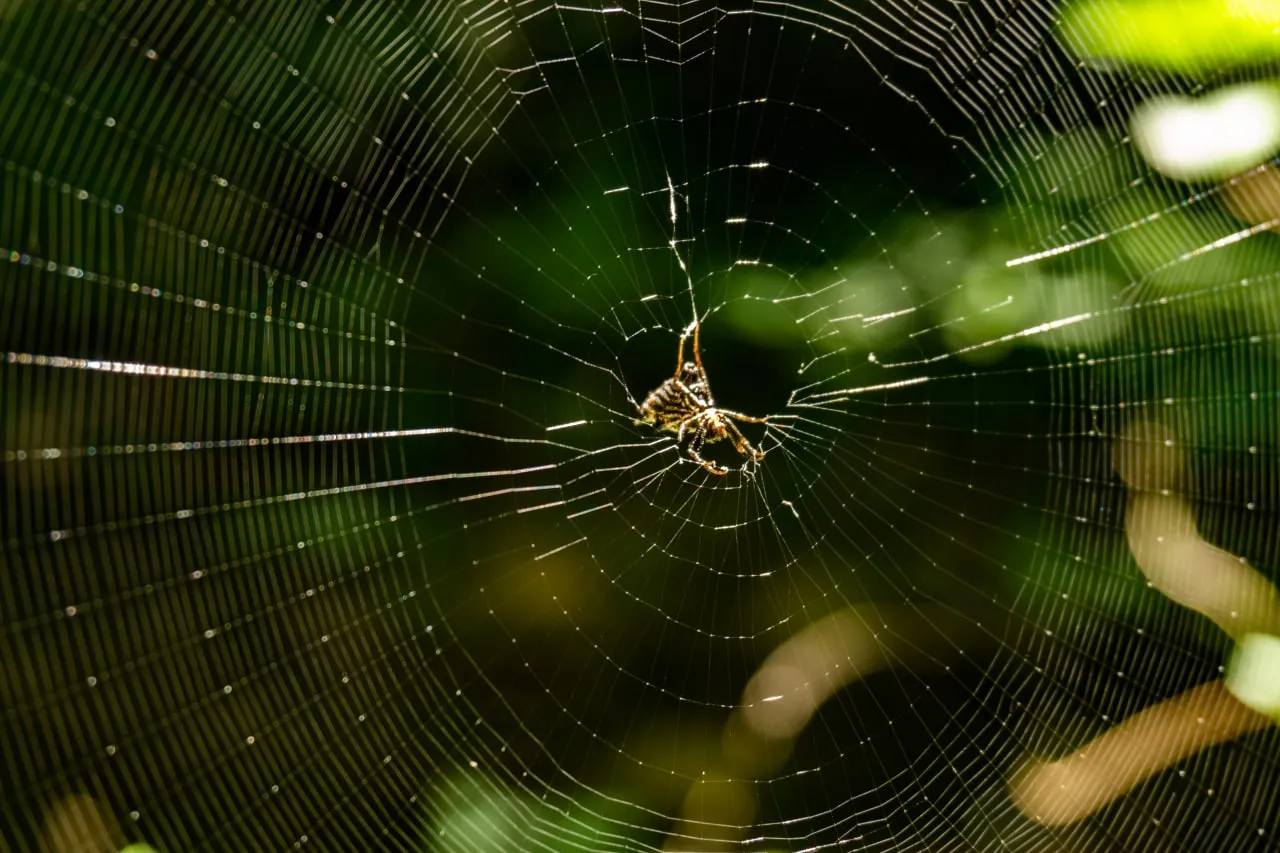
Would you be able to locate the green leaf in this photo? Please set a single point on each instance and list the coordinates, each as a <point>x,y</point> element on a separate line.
<point>1253,675</point>
<point>1175,35</point>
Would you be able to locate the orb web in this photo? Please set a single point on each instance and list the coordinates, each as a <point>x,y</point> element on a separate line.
<point>328,517</point>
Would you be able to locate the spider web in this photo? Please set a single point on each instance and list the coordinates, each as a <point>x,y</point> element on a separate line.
<point>327,519</point>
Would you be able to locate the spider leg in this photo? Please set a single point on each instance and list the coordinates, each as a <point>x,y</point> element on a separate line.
<point>695,453</point>
<point>740,441</point>
<point>688,392</point>
<point>697,348</point>
<point>728,413</point>
<point>680,352</point>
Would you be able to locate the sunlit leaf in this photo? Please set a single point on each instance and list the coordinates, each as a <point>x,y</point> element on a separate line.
<point>1253,675</point>
<point>1174,34</point>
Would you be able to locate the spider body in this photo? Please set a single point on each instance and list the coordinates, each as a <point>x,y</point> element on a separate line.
<point>683,405</point>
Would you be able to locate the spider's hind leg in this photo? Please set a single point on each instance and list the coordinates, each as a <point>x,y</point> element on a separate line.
<point>695,453</point>
<point>740,442</point>
<point>738,416</point>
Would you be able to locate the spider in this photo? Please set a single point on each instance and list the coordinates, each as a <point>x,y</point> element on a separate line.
<point>683,405</point>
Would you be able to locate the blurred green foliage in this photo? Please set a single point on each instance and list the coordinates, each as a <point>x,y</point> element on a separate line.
<point>1174,35</point>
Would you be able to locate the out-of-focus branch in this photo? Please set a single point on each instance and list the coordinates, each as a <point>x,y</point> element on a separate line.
<point>791,685</point>
<point>1069,789</point>
<point>78,824</point>
<point>1169,550</point>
